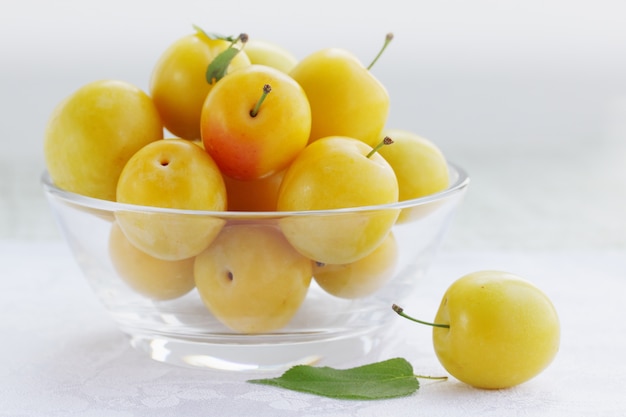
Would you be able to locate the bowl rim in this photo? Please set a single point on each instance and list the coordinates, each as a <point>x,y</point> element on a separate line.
<point>459,182</point>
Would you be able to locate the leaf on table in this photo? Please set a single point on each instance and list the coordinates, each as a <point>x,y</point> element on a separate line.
<point>386,379</point>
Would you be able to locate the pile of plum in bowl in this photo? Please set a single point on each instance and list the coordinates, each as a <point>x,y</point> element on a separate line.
<point>251,210</point>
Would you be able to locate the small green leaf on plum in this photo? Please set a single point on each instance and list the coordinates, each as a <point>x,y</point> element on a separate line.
<point>219,66</point>
<point>215,36</point>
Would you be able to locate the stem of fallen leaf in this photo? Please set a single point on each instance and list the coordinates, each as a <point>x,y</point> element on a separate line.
<point>440,378</point>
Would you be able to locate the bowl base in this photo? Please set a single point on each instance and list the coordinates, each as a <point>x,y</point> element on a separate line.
<point>254,357</point>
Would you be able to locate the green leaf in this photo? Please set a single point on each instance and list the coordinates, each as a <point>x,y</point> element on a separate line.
<point>387,379</point>
<point>218,67</point>
<point>215,36</point>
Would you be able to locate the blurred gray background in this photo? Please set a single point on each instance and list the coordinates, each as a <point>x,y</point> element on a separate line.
<point>528,96</point>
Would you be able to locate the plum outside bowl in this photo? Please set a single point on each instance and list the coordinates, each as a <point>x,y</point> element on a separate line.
<point>325,329</point>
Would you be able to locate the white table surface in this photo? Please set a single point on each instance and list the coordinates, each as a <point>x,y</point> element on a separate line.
<point>61,355</point>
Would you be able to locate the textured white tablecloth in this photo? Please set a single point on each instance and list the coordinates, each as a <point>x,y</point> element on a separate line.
<point>528,96</point>
<point>61,355</point>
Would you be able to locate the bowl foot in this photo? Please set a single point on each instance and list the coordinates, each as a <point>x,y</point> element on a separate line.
<point>252,357</point>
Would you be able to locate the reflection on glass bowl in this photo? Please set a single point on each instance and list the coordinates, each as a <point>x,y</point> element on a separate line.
<point>244,299</point>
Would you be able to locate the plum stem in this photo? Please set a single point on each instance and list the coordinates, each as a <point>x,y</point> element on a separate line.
<point>386,141</point>
<point>243,37</point>
<point>400,311</point>
<point>266,90</point>
<point>388,39</point>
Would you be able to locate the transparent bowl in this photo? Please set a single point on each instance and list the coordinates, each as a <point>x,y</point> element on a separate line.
<point>325,329</point>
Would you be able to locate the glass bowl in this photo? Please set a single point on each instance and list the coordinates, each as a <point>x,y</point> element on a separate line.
<point>327,327</point>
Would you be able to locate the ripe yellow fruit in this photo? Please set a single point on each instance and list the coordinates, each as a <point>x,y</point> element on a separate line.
<point>176,174</point>
<point>178,83</point>
<point>248,145</point>
<point>251,278</point>
<point>149,276</point>
<point>420,166</point>
<point>254,195</point>
<point>503,330</point>
<point>346,98</point>
<point>92,133</point>
<point>360,278</point>
<point>335,173</point>
<point>270,54</point>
